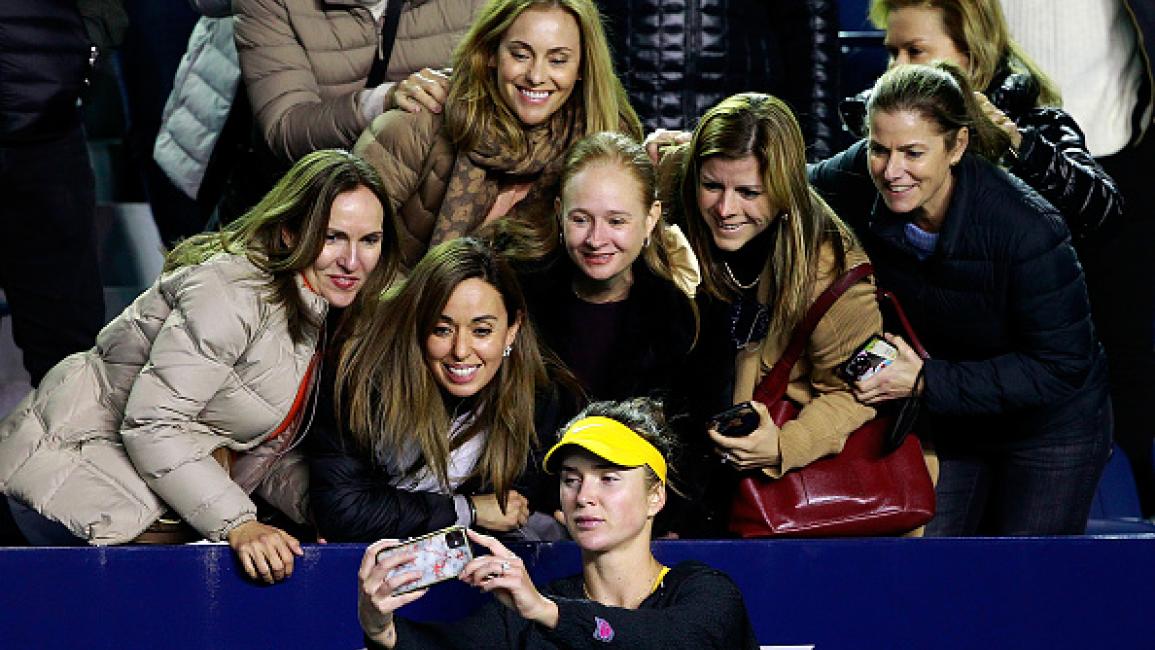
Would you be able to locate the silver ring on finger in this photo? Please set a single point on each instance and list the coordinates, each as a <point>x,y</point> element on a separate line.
<point>504,567</point>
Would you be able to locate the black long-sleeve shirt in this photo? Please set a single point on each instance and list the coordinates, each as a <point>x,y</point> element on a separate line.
<point>694,607</point>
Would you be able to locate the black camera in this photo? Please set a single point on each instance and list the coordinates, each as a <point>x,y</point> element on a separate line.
<point>455,539</point>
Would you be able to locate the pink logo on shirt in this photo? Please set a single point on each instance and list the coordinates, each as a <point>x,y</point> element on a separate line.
<point>602,630</point>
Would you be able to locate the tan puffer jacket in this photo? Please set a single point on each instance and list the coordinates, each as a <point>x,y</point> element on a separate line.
<point>304,61</point>
<point>413,155</point>
<point>200,360</point>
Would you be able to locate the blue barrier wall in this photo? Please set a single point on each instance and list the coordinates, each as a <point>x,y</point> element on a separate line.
<point>886,593</point>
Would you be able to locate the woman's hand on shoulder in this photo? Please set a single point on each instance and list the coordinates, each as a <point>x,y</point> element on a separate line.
<point>490,516</point>
<point>1000,119</point>
<point>504,575</point>
<point>265,552</point>
<point>375,600</point>
<point>755,450</point>
<point>425,89</point>
<point>657,140</point>
<point>896,381</point>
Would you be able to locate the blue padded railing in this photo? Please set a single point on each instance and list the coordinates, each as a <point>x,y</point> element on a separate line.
<point>1076,592</point>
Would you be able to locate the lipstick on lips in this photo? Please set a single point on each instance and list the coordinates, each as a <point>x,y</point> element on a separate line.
<point>344,282</point>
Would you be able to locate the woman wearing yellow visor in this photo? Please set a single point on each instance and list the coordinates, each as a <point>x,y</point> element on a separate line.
<point>612,462</point>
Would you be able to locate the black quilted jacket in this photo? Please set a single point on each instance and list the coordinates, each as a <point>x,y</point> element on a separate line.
<point>43,64</point>
<point>678,58</point>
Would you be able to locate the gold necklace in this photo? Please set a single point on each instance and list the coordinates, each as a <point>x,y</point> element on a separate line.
<point>726,265</point>
<point>662,571</point>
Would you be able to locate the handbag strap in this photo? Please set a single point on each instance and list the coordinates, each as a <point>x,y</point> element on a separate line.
<point>773,386</point>
<point>889,298</point>
<point>392,19</point>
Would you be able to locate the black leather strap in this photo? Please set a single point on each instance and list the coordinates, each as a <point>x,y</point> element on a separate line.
<point>385,43</point>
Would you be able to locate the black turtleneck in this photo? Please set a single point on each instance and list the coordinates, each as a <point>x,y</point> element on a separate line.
<point>748,262</point>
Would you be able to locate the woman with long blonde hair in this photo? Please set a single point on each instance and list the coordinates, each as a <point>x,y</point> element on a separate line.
<point>530,78</point>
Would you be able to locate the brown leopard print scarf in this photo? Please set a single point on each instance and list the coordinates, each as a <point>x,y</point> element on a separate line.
<point>478,175</point>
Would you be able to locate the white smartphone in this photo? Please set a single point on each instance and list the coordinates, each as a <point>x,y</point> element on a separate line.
<point>441,556</point>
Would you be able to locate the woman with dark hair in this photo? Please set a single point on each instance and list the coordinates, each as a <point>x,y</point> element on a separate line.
<point>1015,389</point>
<point>1047,148</point>
<point>529,79</point>
<point>220,354</point>
<point>612,458</point>
<point>434,404</point>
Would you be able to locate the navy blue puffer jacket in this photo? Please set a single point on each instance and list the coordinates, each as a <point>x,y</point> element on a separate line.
<point>1001,305</point>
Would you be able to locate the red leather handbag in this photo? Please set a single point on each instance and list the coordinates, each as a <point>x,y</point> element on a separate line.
<point>865,490</point>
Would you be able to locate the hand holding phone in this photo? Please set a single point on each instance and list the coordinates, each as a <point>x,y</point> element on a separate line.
<point>868,360</point>
<point>441,555</point>
<point>737,421</point>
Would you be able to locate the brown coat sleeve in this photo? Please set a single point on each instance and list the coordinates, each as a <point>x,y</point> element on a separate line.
<point>400,146</point>
<point>829,412</point>
<point>832,413</point>
<point>296,111</point>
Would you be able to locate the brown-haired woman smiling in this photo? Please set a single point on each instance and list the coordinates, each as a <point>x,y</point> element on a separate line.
<point>435,405</point>
<point>530,78</point>
<point>1047,148</point>
<point>219,354</point>
<point>768,246</point>
<point>1016,384</point>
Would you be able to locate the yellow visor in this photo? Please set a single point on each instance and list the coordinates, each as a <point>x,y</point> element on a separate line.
<point>611,440</point>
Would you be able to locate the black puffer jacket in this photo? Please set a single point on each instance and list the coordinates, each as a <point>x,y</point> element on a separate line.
<point>678,58</point>
<point>1001,305</point>
<point>1053,157</point>
<point>43,64</point>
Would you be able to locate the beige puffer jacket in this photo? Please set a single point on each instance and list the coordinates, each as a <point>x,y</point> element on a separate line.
<point>200,360</point>
<point>304,61</point>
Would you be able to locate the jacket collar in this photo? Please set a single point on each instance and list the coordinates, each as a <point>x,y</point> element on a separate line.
<point>889,225</point>
<point>312,300</point>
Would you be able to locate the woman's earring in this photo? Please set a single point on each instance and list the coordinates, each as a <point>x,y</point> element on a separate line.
<point>507,351</point>
<point>646,243</point>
